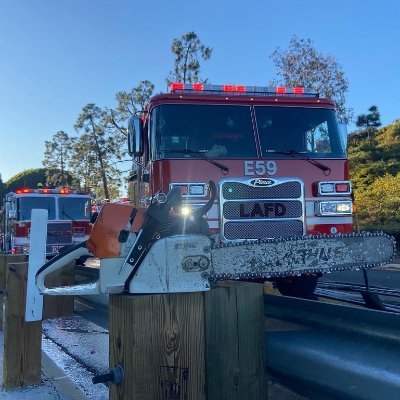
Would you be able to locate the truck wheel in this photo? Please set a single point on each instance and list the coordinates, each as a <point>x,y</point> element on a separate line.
<point>302,286</point>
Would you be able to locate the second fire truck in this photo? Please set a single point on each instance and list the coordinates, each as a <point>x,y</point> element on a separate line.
<point>69,214</point>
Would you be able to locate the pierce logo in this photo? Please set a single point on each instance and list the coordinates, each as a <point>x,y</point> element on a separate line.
<point>262,182</point>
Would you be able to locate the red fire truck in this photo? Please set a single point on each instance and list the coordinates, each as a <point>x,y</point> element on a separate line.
<point>68,218</point>
<point>278,156</point>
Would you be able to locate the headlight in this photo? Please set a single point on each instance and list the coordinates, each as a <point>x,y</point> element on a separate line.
<point>334,188</point>
<point>188,209</point>
<point>189,190</point>
<point>197,190</point>
<point>334,208</point>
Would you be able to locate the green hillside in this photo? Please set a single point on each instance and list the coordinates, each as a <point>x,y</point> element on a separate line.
<point>375,172</point>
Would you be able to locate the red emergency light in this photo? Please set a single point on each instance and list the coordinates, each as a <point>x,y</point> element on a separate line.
<point>234,88</point>
<point>228,88</point>
<point>198,86</point>
<point>343,187</point>
<point>180,87</point>
<point>19,191</point>
<point>177,86</point>
<point>298,90</point>
<point>50,191</point>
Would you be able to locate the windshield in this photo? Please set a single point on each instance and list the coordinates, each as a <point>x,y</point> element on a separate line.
<point>72,208</point>
<point>27,204</point>
<point>299,130</point>
<point>217,131</point>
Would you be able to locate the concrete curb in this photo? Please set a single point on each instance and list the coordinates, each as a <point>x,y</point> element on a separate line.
<point>55,384</point>
<point>61,382</point>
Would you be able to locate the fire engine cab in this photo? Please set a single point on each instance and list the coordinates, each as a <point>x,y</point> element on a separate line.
<point>278,156</point>
<point>68,218</point>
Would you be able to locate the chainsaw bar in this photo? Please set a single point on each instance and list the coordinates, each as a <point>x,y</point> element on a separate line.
<point>266,258</point>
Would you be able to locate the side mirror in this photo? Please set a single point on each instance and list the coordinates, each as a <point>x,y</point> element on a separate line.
<point>343,133</point>
<point>135,137</point>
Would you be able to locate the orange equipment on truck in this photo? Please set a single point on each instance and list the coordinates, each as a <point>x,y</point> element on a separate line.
<point>68,218</point>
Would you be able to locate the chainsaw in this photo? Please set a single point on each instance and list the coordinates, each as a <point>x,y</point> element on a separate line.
<point>159,250</point>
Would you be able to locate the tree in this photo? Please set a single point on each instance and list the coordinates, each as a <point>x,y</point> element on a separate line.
<point>57,156</point>
<point>302,65</point>
<point>3,190</point>
<point>379,204</point>
<point>373,157</point>
<point>96,152</point>
<point>129,104</point>
<point>369,122</point>
<point>32,178</point>
<point>188,51</point>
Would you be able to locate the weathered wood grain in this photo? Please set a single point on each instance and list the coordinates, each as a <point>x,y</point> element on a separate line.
<point>159,340</point>
<point>4,260</point>
<point>22,340</point>
<point>190,346</point>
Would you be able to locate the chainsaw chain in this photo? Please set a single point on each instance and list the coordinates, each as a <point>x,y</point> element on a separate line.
<point>217,244</point>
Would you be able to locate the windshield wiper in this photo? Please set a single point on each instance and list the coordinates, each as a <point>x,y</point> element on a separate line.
<point>201,155</point>
<point>321,166</point>
<point>288,151</point>
<point>67,215</point>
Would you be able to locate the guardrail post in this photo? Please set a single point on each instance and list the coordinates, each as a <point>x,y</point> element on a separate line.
<point>194,346</point>
<point>22,340</point>
<point>235,342</point>
<point>4,260</point>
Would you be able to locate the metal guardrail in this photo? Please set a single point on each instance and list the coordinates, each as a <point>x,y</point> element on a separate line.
<point>334,352</point>
<point>354,293</point>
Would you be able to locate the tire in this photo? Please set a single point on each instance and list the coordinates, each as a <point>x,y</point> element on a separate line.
<point>302,286</point>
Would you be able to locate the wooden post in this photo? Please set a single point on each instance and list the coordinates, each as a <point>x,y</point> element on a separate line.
<point>190,346</point>
<point>4,260</point>
<point>22,340</point>
<point>235,342</point>
<point>59,306</point>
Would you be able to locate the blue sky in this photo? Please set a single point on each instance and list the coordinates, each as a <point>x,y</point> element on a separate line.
<point>56,56</point>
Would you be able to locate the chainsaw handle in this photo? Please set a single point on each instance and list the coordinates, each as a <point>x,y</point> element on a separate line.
<point>60,261</point>
<point>206,208</point>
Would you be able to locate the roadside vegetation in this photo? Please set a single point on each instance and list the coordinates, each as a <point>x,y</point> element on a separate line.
<point>375,173</point>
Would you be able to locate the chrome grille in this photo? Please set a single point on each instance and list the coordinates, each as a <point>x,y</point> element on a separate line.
<point>59,233</point>
<point>238,190</point>
<point>261,208</point>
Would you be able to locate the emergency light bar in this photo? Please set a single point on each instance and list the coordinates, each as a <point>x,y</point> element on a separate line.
<point>49,191</point>
<point>179,87</point>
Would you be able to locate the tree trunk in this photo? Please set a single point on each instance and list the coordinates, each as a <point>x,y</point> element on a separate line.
<point>103,172</point>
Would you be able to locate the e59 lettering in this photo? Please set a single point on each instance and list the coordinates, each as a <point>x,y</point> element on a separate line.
<point>260,168</point>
